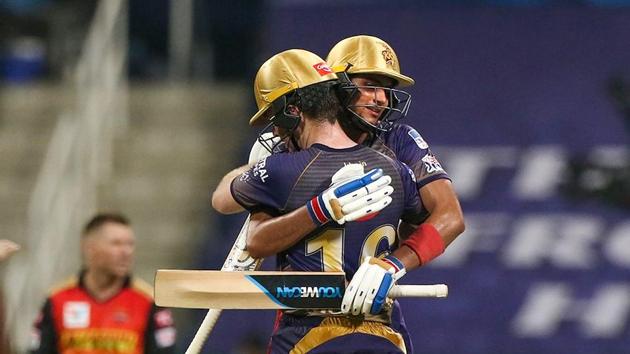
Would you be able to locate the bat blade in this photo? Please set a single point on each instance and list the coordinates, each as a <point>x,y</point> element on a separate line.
<point>263,290</point>
<point>248,290</point>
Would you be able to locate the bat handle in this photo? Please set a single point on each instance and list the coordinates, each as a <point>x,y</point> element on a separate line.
<point>204,330</point>
<point>213,314</point>
<point>435,290</point>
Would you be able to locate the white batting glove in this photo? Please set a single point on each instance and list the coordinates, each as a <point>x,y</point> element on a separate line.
<point>351,196</point>
<point>368,289</point>
<point>259,151</point>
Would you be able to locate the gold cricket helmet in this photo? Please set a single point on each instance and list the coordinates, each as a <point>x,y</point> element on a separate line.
<point>368,55</point>
<point>286,72</point>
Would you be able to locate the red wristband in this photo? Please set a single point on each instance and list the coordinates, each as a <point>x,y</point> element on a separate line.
<point>426,242</point>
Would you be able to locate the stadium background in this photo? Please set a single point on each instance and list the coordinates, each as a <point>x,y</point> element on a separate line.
<point>526,103</point>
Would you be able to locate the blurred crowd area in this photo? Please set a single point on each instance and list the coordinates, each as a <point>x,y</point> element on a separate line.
<point>42,39</point>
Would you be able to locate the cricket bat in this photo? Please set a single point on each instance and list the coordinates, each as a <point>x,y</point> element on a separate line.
<point>264,290</point>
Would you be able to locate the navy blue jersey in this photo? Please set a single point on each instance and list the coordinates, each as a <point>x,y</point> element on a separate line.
<point>404,143</point>
<point>284,182</point>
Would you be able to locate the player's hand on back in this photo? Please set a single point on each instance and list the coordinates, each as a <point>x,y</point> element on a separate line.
<point>353,195</point>
<point>370,285</point>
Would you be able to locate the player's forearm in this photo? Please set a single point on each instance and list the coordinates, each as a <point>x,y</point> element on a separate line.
<point>429,240</point>
<point>449,222</point>
<point>222,200</point>
<point>268,236</point>
<point>445,213</point>
<point>408,257</point>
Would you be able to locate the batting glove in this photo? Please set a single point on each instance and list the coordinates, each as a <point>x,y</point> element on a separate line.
<point>352,195</point>
<point>368,289</point>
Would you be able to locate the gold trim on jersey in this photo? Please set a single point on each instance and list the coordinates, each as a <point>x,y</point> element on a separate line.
<point>96,340</point>
<point>334,327</point>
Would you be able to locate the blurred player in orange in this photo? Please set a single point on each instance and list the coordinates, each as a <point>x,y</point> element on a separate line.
<point>104,310</point>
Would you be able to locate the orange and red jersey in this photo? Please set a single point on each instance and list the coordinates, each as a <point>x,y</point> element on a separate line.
<point>73,322</point>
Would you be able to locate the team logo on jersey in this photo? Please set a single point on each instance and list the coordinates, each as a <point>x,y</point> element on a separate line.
<point>323,69</point>
<point>120,316</point>
<point>431,164</point>
<point>418,139</point>
<point>76,314</point>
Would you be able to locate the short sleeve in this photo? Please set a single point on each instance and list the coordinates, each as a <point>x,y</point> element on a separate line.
<point>411,148</point>
<point>414,211</point>
<point>265,186</point>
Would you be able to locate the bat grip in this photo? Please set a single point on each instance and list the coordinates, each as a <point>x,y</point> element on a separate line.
<point>204,330</point>
<point>435,290</point>
<point>213,314</point>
